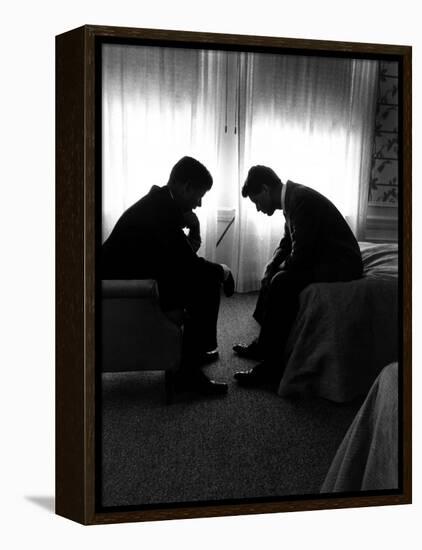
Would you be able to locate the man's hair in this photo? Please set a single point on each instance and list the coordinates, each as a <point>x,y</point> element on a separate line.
<point>188,169</point>
<point>258,176</point>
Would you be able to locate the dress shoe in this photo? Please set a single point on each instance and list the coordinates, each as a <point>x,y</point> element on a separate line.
<point>207,357</point>
<point>251,351</point>
<point>197,381</point>
<point>205,386</point>
<point>257,376</point>
<point>228,286</point>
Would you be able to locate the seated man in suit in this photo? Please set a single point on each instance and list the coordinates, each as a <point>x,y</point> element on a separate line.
<point>318,246</point>
<point>148,241</point>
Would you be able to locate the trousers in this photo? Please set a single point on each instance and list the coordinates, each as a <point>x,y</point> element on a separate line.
<point>278,305</point>
<point>198,294</point>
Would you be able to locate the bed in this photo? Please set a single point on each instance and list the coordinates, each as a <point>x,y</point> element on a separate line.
<point>345,333</point>
<point>367,458</point>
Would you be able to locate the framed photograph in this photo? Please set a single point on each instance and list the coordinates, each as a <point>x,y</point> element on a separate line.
<point>233,319</point>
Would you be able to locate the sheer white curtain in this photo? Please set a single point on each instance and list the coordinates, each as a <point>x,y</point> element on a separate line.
<point>311,120</point>
<point>159,104</point>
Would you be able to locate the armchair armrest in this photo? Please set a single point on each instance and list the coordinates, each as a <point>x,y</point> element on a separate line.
<point>136,333</point>
<point>129,288</point>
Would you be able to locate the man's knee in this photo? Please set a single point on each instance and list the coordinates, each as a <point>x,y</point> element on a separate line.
<point>210,273</point>
<point>280,278</point>
<point>287,281</point>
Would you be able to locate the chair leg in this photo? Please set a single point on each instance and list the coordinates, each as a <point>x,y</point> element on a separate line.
<point>169,382</point>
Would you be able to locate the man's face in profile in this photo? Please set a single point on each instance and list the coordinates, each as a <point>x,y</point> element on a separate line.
<point>263,201</point>
<point>192,197</point>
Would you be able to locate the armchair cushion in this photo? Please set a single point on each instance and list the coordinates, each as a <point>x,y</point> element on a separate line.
<point>136,333</point>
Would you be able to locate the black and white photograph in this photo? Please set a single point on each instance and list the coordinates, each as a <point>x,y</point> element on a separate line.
<point>210,275</point>
<point>249,276</point>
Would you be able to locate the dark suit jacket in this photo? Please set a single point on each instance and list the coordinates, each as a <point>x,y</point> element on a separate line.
<point>317,238</point>
<point>148,242</point>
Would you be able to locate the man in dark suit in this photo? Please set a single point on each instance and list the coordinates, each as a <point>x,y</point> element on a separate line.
<point>148,241</point>
<point>318,246</point>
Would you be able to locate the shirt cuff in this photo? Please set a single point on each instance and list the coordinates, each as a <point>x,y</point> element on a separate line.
<point>226,270</point>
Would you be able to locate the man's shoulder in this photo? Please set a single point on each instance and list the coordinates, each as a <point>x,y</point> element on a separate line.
<point>153,199</point>
<point>142,212</point>
<point>297,192</point>
<point>298,188</point>
<point>155,194</point>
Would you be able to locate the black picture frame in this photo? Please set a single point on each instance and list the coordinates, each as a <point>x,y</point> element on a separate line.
<point>77,211</point>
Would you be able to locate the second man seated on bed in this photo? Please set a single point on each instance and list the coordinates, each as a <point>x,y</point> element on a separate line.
<point>318,246</point>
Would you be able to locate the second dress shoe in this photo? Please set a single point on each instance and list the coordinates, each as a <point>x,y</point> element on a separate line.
<point>257,376</point>
<point>251,351</point>
<point>197,381</point>
<point>207,357</point>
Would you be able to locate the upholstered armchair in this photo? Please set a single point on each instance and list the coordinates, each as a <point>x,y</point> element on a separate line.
<point>136,333</point>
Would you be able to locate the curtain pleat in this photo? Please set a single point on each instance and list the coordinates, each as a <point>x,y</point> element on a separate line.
<point>311,119</point>
<point>159,104</point>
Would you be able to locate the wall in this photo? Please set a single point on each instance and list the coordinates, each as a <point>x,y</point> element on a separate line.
<point>382,217</point>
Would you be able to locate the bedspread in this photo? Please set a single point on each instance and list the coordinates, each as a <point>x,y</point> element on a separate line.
<point>345,332</point>
<point>367,458</point>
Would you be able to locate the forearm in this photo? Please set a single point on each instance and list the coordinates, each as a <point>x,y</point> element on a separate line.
<point>304,233</point>
<point>194,231</point>
<point>280,254</point>
<point>194,238</point>
<point>302,255</point>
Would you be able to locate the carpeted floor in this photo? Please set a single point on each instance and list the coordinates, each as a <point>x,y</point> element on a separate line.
<point>248,444</point>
